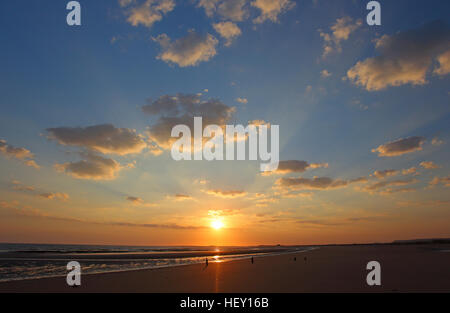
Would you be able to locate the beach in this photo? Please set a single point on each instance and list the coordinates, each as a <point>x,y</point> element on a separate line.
<point>404,268</point>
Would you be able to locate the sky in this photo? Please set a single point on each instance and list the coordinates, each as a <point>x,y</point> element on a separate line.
<point>363,113</point>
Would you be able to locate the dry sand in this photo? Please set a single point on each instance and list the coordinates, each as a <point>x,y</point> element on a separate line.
<point>404,268</point>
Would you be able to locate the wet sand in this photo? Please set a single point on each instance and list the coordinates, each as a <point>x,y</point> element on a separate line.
<point>404,268</point>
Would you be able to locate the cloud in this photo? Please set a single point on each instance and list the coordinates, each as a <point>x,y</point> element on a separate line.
<point>226,193</point>
<point>259,123</point>
<point>440,180</point>
<point>124,3</point>
<point>405,58</point>
<point>21,154</point>
<point>134,200</point>
<point>227,30</point>
<point>32,163</point>
<point>429,165</point>
<point>13,152</point>
<point>444,64</point>
<point>296,195</point>
<point>325,74</point>
<point>320,183</point>
<point>319,222</point>
<point>187,51</point>
<point>201,181</point>
<point>181,109</point>
<point>436,141</point>
<point>58,195</point>
<point>225,212</point>
<point>385,173</point>
<point>271,9</point>
<point>233,10</point>
<point>390,191</point>
<point>295,166</point>
<point>150,225</point>
<point>181,197</point>
<point>401,182</point>
<point>422,204</point>
<point>148,13</point>
<point>242,100</point>
<point>40,214</point>
<point>209,6</point>
<point>18,186</point>
<point>154,149</point>
<point>400,146</point>
<point>408,171</point>
<point>344,27</point>
<point>340,31</point>
<point>101,138</point>
<point>92,167</point>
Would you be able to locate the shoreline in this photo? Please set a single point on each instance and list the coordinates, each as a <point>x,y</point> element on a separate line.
<point>329,269</point>
<point>232,258</point>
<point>244,256</point>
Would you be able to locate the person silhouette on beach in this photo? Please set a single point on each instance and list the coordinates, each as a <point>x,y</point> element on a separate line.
<point>206,264</point>
<point>295,259</point>
<point>252,260</point>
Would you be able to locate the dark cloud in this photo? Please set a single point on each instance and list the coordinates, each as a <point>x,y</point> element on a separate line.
<point>375,187</point>
<point>18,186</point>
<point>181,109</point>
<point>150,225</point>
<point>101,138</point>
<point>320,183</point>
<point>295,166</point>
<point>182,197</point>
<point>400,146</point>
<point>92,167</point>
<point>134,200</point>
<point>405,58</point>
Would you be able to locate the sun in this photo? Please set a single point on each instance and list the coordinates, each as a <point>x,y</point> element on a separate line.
<point>217,224</point>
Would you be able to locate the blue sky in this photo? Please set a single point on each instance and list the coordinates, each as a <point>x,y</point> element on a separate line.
<point>107,69</point>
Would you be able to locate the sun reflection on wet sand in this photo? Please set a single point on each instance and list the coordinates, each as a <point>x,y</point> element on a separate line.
<point>217,259</point>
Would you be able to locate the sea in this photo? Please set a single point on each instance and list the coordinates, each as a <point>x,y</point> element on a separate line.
<point>30,261</point>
